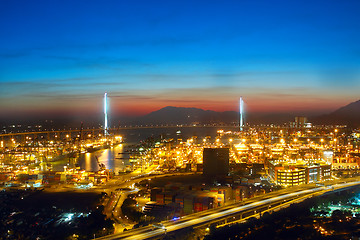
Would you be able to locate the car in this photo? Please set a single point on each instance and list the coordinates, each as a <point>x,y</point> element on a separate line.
<point>158,226</point>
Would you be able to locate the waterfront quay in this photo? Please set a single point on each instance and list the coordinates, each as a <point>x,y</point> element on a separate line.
<point>278,148</point>
<point>39,158</point>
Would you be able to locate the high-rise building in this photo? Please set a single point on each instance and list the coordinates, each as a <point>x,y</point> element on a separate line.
<point>215,162</point>
<point>300,122</point>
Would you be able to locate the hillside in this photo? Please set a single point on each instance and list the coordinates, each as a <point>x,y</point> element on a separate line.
<point>348,115</point>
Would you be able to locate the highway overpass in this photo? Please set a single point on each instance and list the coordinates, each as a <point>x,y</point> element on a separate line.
<point>233,213</point>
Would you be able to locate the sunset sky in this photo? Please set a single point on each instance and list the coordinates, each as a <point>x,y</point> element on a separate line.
<point>59,57</point>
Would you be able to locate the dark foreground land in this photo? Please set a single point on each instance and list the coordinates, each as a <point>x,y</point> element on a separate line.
<point>34,214</point>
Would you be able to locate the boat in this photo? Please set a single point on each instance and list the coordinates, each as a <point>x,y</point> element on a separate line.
<point>92,149</point>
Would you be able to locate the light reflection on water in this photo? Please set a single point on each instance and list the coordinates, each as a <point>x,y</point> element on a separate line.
<point>115,159</point>
<point>87,160</point>
<point>109,157</point>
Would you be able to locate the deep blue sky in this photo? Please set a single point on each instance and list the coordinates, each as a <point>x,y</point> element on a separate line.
<point>61,56</point>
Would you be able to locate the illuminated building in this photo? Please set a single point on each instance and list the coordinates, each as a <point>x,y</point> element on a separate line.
<point>298,172</point>
<point>215,162</point>
<point>300,122</point>
<point>328,156</point>
<point>318,173</point>
<point>290,177</point>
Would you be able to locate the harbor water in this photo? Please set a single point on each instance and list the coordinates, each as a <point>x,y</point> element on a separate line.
<point>116,158</point>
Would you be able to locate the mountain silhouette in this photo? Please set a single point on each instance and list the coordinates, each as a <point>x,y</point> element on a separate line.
<point>182,115</point>
<point>347,115</point>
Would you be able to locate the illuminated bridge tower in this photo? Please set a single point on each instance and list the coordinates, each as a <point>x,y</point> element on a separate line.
<point>241,112</point>
<point>105,116</point>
